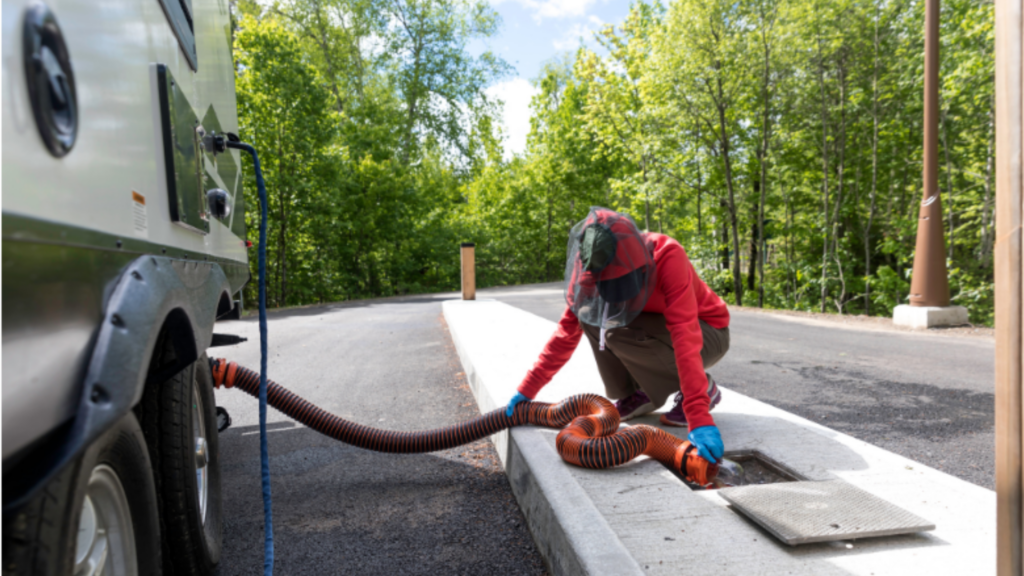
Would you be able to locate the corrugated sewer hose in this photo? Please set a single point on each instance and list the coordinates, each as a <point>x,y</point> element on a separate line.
<point>590,435</point>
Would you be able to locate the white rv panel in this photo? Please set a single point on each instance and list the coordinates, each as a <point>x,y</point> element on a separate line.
<point>112,46</point>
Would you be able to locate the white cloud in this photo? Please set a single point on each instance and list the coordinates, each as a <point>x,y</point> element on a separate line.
<point>561,8</point>
<point>571,39</point>
<point>516,95</point>
<point>554,8</point>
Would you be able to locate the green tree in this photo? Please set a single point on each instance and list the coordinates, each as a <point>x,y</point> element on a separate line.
<point>284,111</point>
<point>703,59</point>
<point>617,110</point>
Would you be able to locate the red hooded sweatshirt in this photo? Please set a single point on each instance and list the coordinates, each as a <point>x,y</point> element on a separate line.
<point>684,299</point>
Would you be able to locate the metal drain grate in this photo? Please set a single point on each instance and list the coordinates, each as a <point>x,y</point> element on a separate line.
<point>804,512</point>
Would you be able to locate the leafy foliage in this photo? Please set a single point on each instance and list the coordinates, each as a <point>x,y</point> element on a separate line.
<point>778,140</point>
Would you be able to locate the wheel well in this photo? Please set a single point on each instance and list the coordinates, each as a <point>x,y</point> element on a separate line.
<point>175,347</point>
<point>225,305</point>
<point>157,320</point>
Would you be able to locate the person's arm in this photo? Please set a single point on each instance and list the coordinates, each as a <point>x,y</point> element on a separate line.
<point>556,353</point>
<point>675,278</point>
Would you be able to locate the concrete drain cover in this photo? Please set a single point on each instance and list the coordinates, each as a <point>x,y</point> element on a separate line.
<point>804,512</point>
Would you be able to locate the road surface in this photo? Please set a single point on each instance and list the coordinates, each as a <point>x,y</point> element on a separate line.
<point>926,396</point>
<point>342,510</point>
<point>390,363</point>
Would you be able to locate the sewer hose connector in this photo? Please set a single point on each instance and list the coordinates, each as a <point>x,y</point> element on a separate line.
<point>590,436</point>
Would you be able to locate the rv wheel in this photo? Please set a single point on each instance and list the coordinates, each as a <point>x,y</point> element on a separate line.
<point>97,516</point>
<point>180,420</point>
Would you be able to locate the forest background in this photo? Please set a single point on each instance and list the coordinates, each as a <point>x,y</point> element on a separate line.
<point>778,140</point>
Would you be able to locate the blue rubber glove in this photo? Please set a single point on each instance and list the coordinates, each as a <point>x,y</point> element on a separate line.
<point>708,442</point>
<point>515,400</point>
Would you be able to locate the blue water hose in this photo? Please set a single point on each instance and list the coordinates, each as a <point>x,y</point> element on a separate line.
<point>268,516</point>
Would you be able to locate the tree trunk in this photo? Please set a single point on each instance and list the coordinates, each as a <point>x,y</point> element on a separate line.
<point>700,185</point>
<point>763,155</point>
<point>725,239</point>
<point>824,190</point>
<point>874,174</point>
<point>547,254</point>
<point>760,236</point>
<point>790,249</point>
<point>986,210</point>
<point>280,220</point>
<point>949,180</point>
<point>737,283</point>
<point>647,197</point>
<point>840,172</point>
<point>412,105</point>
<point>282,256</point>
<point>661,216</point>
<point>700,228</point>
<point>752,263</point>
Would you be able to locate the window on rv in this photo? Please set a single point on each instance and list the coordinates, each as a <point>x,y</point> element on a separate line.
<point>179,16</point>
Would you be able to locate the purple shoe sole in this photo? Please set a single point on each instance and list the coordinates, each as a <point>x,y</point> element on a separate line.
<point>640,411</point>
<point>635,405</point>
<point>676,417</point>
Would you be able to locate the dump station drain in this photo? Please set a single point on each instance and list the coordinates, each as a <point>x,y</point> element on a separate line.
<point>760,469</point>
<point>800,511</point>
<point>757,469</point>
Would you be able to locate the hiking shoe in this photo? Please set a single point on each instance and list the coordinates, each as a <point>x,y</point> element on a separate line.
<point>676,417</point>
<point>634,405</point>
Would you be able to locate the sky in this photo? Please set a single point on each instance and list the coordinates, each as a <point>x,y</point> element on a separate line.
<point>534,32</point>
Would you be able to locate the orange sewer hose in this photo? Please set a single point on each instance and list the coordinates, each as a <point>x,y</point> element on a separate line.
<point>590,435</point>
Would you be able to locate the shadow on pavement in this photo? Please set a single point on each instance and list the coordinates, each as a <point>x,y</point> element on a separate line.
<point>341,509</point>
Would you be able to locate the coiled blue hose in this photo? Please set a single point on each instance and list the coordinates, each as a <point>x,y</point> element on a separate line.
<point>268,516</point>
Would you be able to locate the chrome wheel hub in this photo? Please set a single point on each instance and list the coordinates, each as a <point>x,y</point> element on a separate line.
<point>202,456</point>
<point>105,543</point>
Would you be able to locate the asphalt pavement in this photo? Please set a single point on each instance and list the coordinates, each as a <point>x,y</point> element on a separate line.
<point>926,396</point>
<point>338,509</point>
<point>390,363</point>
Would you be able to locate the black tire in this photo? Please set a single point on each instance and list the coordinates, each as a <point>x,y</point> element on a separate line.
<point>192,542</point>
<point>41,538</point>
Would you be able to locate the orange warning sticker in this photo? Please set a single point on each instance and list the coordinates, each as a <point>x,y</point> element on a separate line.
<point>140,219</point>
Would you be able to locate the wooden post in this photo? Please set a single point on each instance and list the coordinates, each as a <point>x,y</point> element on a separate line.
<point>1008,260</point>
<point>468,271</point>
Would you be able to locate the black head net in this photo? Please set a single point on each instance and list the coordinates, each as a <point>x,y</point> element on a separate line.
<point>609,272</point>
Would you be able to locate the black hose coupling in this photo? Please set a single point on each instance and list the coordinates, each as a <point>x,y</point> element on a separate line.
<point>215,142</point>
<point>226,340</point>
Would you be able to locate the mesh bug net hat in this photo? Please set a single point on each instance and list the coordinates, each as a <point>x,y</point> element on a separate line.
<point>609,272</point>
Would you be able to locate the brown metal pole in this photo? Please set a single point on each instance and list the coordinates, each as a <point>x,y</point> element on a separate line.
<point>468,271</point>
<point>930,283</point>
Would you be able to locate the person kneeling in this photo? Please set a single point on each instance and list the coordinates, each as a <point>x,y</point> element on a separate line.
<point>653,324</point>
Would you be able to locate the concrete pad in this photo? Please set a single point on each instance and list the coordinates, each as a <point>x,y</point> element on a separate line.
<point>639,518</point>
<point>929,316</point>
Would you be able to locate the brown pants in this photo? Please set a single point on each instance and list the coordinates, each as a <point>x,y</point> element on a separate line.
<point>640,355</point>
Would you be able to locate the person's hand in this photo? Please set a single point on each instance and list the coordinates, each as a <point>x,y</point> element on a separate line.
<point>519,397</point>
<point>708,442</point>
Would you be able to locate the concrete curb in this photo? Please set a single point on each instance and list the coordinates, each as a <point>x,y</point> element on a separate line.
<point>640,516</point>
<point>570,533</point>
